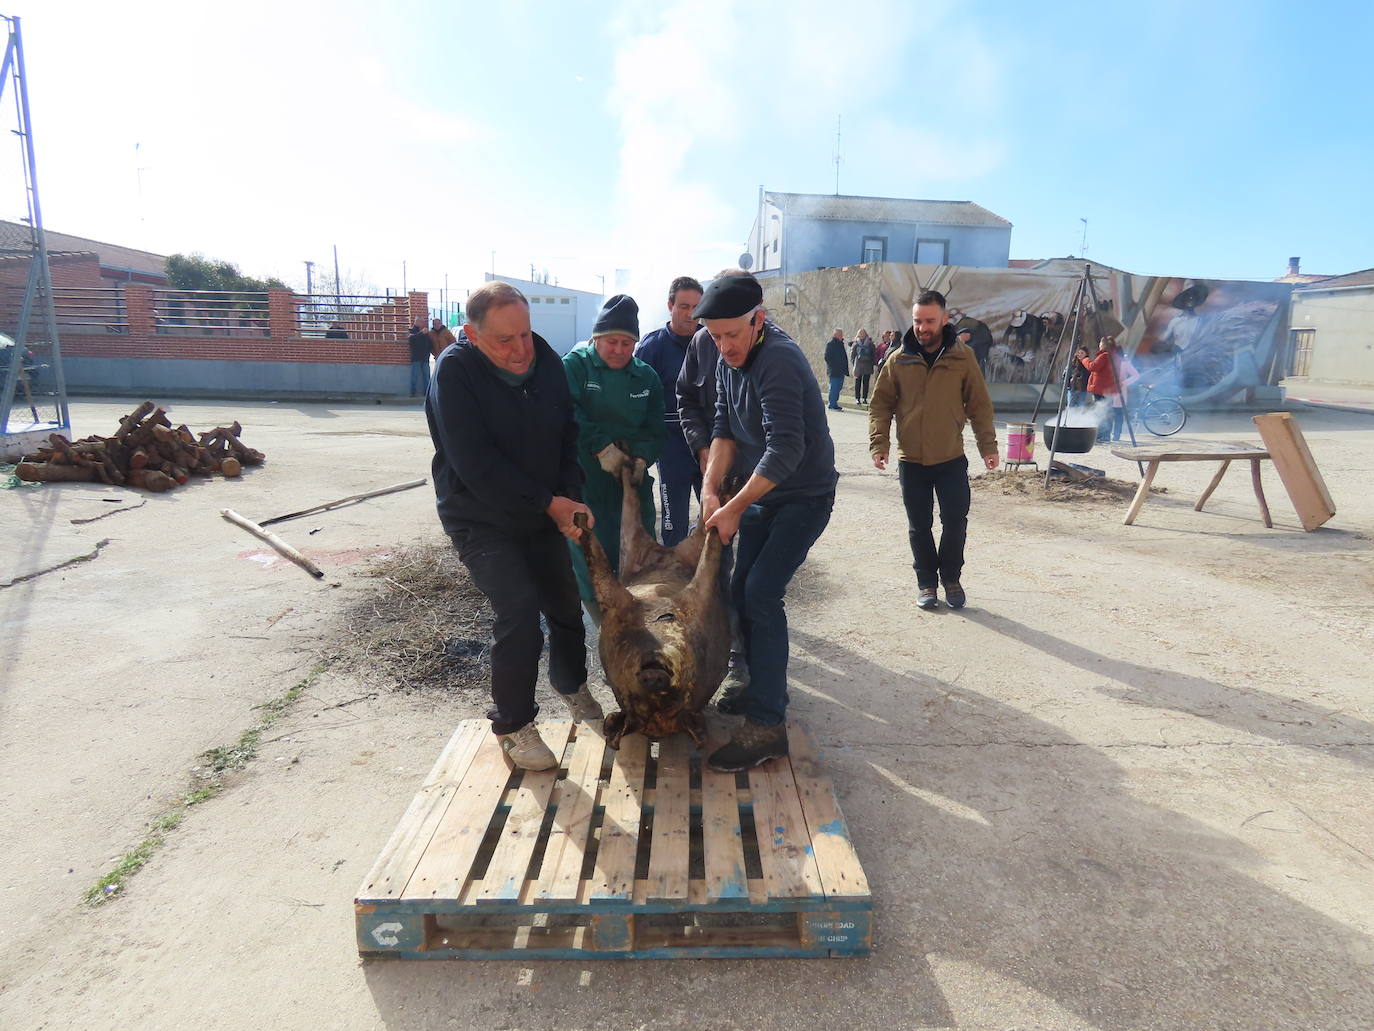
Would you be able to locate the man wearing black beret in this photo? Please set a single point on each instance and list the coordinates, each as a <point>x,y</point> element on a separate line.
<point>769,425</point>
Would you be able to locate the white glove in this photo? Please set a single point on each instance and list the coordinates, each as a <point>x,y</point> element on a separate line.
<point>611,459</point>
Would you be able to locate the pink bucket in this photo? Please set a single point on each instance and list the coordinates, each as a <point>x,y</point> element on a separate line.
<point>1020,442</point>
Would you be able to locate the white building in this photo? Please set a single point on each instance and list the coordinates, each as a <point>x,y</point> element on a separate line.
<point>562,316</point>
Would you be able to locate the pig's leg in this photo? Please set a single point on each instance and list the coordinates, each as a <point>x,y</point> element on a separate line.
<point>613,727</point>
<point>610,593</point>
<point>637,548</point>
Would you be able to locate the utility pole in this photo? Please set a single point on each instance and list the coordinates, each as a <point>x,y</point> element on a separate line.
<point>405,284</point>
<point>309,288</point>
<point>1083,247</point>
<point>493,264</point>
<point>338,302</point>
<point>838,158</point>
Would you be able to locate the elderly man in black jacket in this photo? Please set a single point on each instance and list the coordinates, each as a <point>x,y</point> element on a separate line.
<point>508,486</point>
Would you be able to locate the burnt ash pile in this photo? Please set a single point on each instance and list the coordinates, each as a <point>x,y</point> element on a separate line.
<point>1096,489</point>
<point>422,625</point>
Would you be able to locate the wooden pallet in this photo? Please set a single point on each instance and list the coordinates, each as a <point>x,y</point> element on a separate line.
<point>642,853</point>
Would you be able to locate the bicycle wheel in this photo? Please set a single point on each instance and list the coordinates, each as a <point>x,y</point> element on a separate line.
<point>1163,416</point>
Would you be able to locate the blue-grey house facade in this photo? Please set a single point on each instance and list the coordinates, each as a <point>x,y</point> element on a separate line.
<point>804,231</point>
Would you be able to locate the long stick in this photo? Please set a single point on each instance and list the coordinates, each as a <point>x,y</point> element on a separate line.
<point>409,484</point>
<point>282,548</point>
<point>1082,298</point>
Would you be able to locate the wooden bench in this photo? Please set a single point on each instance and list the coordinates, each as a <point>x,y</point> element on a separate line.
<point>641,853</point>
<point>1185,450</point>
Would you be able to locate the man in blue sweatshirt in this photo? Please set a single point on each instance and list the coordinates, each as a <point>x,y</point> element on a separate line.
<point>663,350</point>
<point>770,425</point>
<point>508,485</point>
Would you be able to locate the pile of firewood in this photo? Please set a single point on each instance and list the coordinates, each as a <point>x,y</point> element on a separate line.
<point>146,451</point>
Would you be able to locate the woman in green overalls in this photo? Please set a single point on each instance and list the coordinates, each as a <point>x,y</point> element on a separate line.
<point>619,401</point>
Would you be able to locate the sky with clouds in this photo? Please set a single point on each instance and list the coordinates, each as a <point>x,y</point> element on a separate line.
<point>1207,139</point>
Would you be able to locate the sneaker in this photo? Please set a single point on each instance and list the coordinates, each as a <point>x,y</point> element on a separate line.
<point>954,594</point>
<point>928,599</point>
<point>750,746</point>
<point>584,708</point>
<point>527,749</point>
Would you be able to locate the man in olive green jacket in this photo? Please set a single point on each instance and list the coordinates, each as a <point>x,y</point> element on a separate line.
<point>933,386</point>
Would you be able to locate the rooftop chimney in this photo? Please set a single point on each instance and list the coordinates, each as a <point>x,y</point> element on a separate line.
<point>1293,266</point>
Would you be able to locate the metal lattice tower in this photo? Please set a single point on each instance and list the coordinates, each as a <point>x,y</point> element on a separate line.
<point>33,394</point>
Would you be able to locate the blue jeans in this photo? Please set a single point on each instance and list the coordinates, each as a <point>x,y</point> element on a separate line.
<point>419,371</point>
<point>836,384</point>
<point>773,543</point>
<point>679,477</point>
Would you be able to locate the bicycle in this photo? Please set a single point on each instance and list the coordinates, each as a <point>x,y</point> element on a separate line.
<point>1161,414</point>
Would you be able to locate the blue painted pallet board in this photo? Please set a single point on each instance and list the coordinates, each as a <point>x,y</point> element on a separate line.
<point>638,854</point>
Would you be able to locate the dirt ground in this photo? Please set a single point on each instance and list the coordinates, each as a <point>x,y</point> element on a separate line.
<point>1126,788</point>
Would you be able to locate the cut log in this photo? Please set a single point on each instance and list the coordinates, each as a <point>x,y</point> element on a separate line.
<point>50,472</point>
<point>230,466</point>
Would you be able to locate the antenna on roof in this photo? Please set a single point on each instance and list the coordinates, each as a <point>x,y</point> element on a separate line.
<point>838,157</point>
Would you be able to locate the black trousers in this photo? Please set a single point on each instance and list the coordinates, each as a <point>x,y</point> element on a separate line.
<point>861,386</point>
<point>922,486</point>
<point>523,575</point>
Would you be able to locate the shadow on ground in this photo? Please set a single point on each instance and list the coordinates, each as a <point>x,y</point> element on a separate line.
<point>1002,853</point>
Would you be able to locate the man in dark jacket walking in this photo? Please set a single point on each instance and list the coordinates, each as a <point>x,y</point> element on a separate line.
<point>508,485</point>
<point>419,358</point>
<point>836,367</point>
<point>769,425</point>
<point>664,350</point>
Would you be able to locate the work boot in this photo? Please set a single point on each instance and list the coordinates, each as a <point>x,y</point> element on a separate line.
<point>527,749</point>
<point>954,594</point>
<point>750,746</point>
<point>732,700</point>
<point>928,599</point>
<point>584,708</point>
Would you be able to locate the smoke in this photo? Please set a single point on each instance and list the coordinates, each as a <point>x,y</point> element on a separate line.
<point>1094,413</point>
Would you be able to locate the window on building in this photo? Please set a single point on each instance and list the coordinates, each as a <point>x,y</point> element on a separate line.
<point>932,252</point>
<point>874,249</point>
<point>1303,339</point>
<point>564,300</point>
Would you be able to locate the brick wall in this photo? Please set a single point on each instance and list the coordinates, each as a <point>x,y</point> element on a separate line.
<point>67,270</point>
<point>242,349</point>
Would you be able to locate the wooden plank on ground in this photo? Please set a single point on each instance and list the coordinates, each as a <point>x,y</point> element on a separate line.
<point>841,874</point>
<point>722,843</point>
<point>615,856</point>
<point>672,821</point>
<point>447,862</point>
<point>789,868</point>
<point>572,821</point>
<point>1297,469</point>
<point>510,862</point>
<point>412,835</point>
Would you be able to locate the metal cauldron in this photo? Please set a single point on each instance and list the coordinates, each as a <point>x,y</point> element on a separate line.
<point>1073,440</point>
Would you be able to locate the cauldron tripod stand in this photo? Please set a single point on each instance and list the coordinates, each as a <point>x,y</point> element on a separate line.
<point>1083,293</point>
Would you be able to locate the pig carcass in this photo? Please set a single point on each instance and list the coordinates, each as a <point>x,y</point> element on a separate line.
<point>665,633</point>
